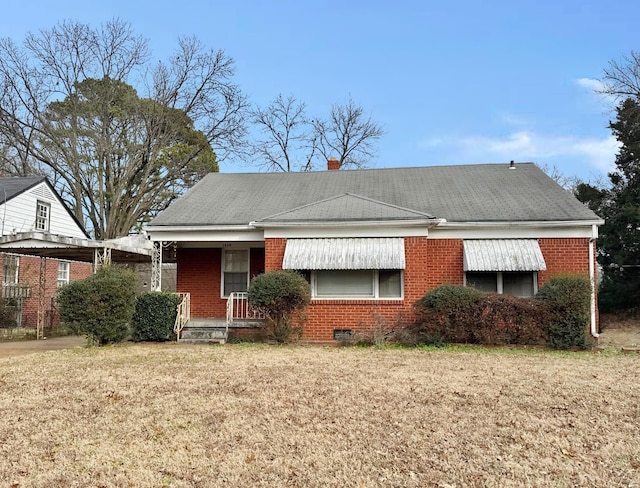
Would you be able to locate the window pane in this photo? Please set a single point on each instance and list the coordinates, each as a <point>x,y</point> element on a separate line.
<point>11,264</point>
<point>518,284</point>
<point>483,281</point>
<point>352,283</point>
<point>390,283</point>
<point>42,216</point>
<point>234,282</point>
<point>236,261</point>
<point>63,273</point>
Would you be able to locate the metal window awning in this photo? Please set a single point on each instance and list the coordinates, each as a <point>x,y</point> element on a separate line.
<point>503,255</point>
<point>345,253</point>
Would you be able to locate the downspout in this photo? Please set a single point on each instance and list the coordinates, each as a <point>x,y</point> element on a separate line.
<point>592,278</point>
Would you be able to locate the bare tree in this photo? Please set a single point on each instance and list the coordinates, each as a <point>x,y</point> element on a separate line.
<point>348,135</point>
<point>67,110</point>
<point>622,78</point>
<point>287,142</point>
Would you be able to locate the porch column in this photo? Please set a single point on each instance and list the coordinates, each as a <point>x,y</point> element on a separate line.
<point>101,258</point>
<point>156,266</point>
<point>42,287</point>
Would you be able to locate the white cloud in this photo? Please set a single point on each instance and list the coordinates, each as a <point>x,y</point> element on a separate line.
<point>598,153</point>
<point>591,84</point>
<point>596,88</point>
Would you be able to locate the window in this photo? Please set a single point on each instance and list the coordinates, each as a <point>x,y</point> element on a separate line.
<point>11,264</point>
<point>520,284</point>
<point>235,270</point>
<point>43,214</point>
<point>63,273</point>
<point>356,283</point>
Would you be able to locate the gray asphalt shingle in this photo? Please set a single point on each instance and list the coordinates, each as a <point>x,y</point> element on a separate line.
<point>465,193</point>
<point>14,185</point>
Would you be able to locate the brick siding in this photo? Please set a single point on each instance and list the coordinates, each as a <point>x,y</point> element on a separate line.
<point>429,263</point>
<point>29,274</point>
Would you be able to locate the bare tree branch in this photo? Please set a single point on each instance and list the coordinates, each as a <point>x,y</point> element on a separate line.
<point>349,135</point>
<point>68,111</point>
<point>621,79</point>
<point>287,144</point>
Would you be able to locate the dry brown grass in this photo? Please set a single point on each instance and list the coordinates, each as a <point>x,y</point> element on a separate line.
<point>189,416</point>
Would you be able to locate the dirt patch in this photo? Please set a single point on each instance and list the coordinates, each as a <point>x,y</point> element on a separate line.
<point>20,348</point>
<point>619,331</point>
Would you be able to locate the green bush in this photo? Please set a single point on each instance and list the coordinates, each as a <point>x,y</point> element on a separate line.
<point>569,297</point>
<point>280,295</point>
<point>154,317</point>
<point>449,297</point>
<point>100,306</point>
<point>442,315</point>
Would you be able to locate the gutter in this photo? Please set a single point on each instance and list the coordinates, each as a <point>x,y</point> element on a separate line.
<point>529,223</point>
<point>592,278</point>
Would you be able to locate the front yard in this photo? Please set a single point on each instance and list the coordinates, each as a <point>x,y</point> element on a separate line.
<point>247,416</point>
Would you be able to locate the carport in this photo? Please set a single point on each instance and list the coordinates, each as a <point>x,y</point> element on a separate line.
<point>131,249</point>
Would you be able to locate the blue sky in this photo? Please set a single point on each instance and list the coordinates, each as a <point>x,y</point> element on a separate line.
<point>451,82</point>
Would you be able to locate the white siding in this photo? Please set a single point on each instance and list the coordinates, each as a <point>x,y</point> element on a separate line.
<point>19,213</point>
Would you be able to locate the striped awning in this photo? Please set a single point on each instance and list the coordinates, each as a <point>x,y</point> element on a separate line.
<point>347,253</point>
<point>503,255</point>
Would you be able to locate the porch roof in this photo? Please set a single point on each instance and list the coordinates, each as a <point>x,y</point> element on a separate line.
<point>130,249</point>
<point>503,255</point>
<point>351,253</point>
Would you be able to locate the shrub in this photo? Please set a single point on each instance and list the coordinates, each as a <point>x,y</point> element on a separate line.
<point>449,297</point>
<point>280,295</point>
<point>154,317</point>
<point>459,314</point>
<point>8,310</point>
<point>100,306</point>
<point>569,298</point>
<point>505,319</point>
<point>443,314</point>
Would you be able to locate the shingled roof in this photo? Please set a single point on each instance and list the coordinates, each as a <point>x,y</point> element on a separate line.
<point>465,193</point>
<point>14,185</point>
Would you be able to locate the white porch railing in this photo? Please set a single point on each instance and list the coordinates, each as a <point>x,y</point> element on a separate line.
<point>238,308</point>
<point>184,313</point>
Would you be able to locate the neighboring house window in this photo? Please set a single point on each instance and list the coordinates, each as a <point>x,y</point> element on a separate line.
<point>235,270</point>
<point>356,284</point>
<point>520,284</point>
<point>10,266</point>
<point>63,273</point>
<point>43,215</point>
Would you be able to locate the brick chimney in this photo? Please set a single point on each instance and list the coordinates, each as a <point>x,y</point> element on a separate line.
<point>333,164</point>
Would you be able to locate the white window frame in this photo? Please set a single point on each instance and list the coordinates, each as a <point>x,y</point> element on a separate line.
<point>43,216</point>
<point>65,267</point>
<point>16,272</point>
<point>500,283</point>
<point>222,271</point>
<point>376,288</point>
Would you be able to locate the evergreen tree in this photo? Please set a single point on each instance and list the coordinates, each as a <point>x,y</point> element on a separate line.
<point>619,205</point>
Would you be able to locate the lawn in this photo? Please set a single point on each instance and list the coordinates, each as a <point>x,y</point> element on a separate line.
<point>250,416</point>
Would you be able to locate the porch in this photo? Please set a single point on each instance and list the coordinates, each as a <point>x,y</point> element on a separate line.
<point>239,316</point>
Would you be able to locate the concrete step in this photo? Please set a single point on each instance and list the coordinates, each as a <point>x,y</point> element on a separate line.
<point>203,335</point>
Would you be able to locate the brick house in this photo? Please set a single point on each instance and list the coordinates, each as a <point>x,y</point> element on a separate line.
<point>371,242</point>
<point>31,205</point>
